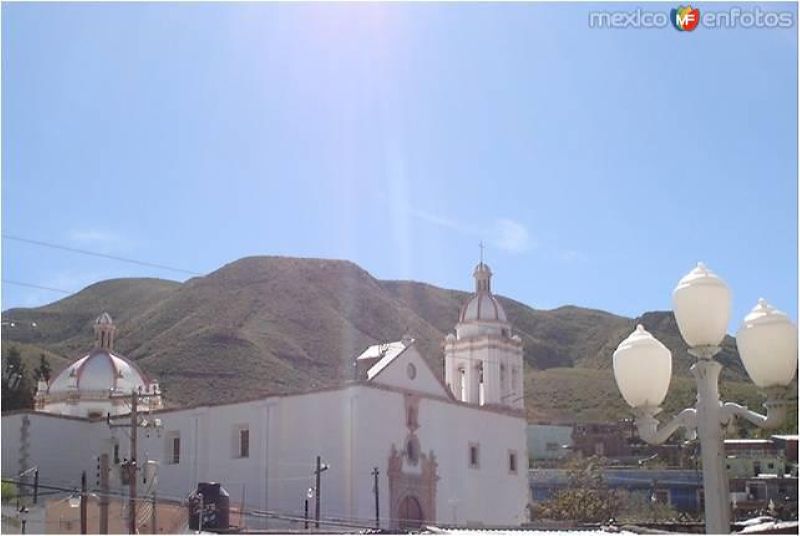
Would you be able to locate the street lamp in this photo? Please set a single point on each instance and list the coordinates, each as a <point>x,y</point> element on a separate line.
<point>23,518</point>
<point>767,343</point>
<point>309,496</point>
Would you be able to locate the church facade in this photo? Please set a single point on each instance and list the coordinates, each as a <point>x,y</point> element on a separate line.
<point>447,451</point>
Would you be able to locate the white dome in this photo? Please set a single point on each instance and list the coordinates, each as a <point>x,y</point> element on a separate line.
<point>483,307</point>
<point>99,371</point>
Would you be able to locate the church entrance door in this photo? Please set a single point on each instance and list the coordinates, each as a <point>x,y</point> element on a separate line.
<point>410,513</point>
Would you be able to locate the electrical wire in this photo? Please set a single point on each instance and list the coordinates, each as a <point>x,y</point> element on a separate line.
<point>334,521</point>
<point>97,254</point>
<point>39,287</point>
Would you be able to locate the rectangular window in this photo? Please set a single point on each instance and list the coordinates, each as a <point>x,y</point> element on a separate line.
<point>661,496</point>
<point>474,455</point>
<point>173,448</point>
<point>512,462</point>
<point>244,443</point>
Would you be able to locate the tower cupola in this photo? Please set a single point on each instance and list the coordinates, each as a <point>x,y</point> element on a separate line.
<point>104,330</point>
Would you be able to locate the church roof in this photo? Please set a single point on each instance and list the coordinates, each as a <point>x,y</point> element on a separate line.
<point>384,354</point>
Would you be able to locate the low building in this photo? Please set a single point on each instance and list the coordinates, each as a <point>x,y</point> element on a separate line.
<point>607,439</point>
<point>549,442</point>
<point>680,488</point>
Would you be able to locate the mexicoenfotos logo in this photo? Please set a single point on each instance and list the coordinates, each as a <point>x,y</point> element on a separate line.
<point>685,19</point>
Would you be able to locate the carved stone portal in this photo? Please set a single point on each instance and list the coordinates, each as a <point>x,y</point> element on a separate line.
<point>412,495</point>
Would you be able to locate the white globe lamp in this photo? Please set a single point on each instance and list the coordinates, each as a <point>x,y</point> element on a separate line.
<point>642,368</point>
<point>767,342</point>
<point>702,305</point>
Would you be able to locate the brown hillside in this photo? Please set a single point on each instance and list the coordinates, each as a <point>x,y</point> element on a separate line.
<point>272,324</point>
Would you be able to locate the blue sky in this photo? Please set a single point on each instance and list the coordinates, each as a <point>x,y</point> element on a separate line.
<point>598,165</point>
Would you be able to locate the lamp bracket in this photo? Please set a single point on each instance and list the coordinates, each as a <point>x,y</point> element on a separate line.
<point>776,404</point>
<point>648,426</point>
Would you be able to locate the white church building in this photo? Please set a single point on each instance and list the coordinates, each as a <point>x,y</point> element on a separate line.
<point>448,451</point>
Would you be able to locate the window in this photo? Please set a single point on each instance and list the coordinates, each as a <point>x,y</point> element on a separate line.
<point>411,370</point>
<point>512,462</point>
<point>661,496</point>
<point>244,443</point>
<point>412,450</point>
<point>173,448</point>
<point>474,455</point>
<point>116,454</point>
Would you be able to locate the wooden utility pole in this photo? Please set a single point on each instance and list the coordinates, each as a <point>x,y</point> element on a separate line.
<point>84,505</point>
<point>154,514</point>
<point>317,490</point>
<point>104,491</point>
<point>132,467</point>
<point>375,474</point>
<point>132,463</point>
<point>36,486</point>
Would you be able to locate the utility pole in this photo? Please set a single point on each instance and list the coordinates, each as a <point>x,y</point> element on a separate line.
<point>318,491</point>
<point>104,490</point>
<point>375,488</point>
<point>153,514</point>
<point>36,486</point>
<point>132,463</point>
<point>84,509</point>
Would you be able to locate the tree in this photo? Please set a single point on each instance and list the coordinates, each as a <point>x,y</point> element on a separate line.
<point>17,392</point>
<point>587,498</point>
<point>642,507</point>
<point>44,370</point>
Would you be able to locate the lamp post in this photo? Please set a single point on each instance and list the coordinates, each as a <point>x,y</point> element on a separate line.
<point>767,342</point>
<point>309,496</point>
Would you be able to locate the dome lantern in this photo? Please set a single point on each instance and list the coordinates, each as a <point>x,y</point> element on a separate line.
<point>104,332</point>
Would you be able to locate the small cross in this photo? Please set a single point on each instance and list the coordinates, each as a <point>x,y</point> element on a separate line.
<point>480,245</point>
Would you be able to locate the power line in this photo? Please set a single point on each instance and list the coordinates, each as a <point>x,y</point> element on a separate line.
<point>97,254</point>
<point>342,521</point>
<point>40,287</point>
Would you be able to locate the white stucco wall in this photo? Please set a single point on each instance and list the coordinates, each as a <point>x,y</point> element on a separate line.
<point>61,447</point>
<point>352,428</point>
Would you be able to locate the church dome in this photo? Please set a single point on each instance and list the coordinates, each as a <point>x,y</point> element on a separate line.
<point>101,370</point>
<point>88,386</point>
<point>483,307</point>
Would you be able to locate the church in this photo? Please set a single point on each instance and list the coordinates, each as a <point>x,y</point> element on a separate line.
<point>400,445</point>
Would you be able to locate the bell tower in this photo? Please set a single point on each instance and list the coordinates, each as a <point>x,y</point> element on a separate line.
<point>483,362</point>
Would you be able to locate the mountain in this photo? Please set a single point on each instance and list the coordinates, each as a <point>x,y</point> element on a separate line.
<point>265,325</point>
